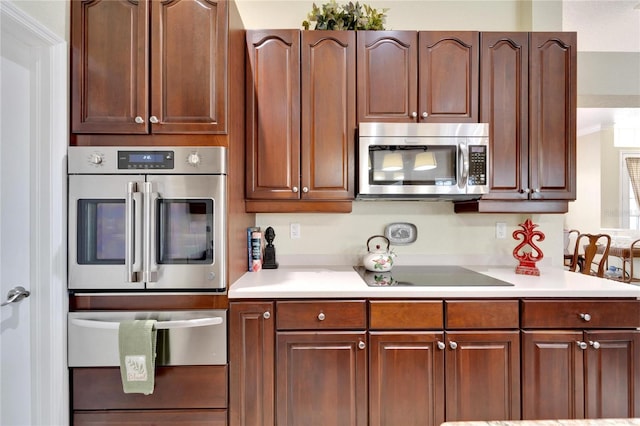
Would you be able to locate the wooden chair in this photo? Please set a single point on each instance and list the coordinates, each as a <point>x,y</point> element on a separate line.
<point>569,249</point>
<point>593,245</point>
<point>634,246</point>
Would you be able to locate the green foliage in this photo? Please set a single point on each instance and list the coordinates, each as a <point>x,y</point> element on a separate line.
<point>351,16</point>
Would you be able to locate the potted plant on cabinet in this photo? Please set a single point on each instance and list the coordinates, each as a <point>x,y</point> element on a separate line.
<point>351,16</point>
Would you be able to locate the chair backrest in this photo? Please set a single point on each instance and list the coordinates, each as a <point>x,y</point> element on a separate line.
<point>596,252</point>
<point>570,240</point>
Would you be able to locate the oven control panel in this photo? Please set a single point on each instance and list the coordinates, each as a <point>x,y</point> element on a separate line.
<point>145,160</point>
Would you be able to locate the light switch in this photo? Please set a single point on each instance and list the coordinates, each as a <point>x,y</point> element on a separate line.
<point>294,231</point>
<point>501,230</point>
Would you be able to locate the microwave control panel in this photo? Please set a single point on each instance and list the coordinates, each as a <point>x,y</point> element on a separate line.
<point>477,165</point>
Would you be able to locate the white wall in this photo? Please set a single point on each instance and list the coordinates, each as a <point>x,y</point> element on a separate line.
<point>584,213</point>
<point>54,14</point>
<point>483,15</point>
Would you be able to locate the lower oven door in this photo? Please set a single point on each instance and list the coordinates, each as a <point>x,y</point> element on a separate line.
<point>183,337</point>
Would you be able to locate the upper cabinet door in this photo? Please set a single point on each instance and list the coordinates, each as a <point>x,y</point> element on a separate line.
<point>448,83</point>
<point>188,57</point>
<point>109,66</point>
<point>328,109</point>
<point>273,114</point>
<point>505,106</point>
<point>128,55</point>
<point>387,76</point>
<point>552,115</point>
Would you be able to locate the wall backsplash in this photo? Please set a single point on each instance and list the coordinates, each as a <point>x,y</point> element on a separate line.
<point>443,236</point>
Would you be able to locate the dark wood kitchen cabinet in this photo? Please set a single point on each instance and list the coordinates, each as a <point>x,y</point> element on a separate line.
<point>426,76</point>
<point>194,395</point>
<point>581,360</point>
<point>321,363</point>
<point>424,377</point>
<point>529,99</point>
<point>300,89</point>
<point>135,70</point>
<point>252,363</point>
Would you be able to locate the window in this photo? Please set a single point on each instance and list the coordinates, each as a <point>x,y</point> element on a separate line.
<point>629,212</point>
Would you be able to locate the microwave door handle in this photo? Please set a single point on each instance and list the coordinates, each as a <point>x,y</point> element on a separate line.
<point>133,219</point>
<point>150,267</point>
<point>463,152</point>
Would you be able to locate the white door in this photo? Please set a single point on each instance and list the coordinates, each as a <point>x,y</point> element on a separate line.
<point>33,378</point>
<point>14,244</point>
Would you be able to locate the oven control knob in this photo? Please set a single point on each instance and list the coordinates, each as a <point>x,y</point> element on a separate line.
<point>96,159</point>
<point>193,159</point>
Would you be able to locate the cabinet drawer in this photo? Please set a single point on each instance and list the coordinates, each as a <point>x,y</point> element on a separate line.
<point>484,314</point>
<point>321,315</point>
<point>405,315</point>
<point>150,417</point>
<point>200,387</point>
<point>580,313</point>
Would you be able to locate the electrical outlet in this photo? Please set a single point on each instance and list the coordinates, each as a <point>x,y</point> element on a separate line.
<point>501,230</point>
<point>294,231</point>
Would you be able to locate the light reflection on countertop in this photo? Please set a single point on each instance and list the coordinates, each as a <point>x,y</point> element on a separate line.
<point>344,281</point>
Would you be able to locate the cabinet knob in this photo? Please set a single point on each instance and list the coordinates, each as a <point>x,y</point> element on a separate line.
<point>139,120</point>
<point>536,190</point>
<point>441,345</point>
<point>425,114</point>
<point>414,114</point>
<point>453,345</point>
<point>525,191</point>
<point>595,345</point>
<point>581,345</point>
<point>266,315</point>
<point>294,189</point>
<point>585,317</point>
<point>154,119</point>
<point>321,316</point>
<point>361,345</point>
<point>305,189</point>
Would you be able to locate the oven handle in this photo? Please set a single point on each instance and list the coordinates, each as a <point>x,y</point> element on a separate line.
<point>150,267</point>
<point>160,325</point>
<point>133,248</point>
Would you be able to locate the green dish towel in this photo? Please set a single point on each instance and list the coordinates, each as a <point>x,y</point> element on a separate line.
<point>137,345</point>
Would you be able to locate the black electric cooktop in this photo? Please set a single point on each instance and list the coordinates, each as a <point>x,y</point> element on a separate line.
<point>420,276</point>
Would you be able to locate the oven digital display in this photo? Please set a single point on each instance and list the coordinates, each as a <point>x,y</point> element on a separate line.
<point>145,160</point>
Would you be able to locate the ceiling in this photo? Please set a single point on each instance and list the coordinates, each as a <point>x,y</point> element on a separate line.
<point>604,26</point>
<point>591,120</point>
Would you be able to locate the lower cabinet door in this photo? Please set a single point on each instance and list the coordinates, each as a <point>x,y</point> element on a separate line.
<point>612,381</point>
<point>149,418</point>
<point>482,375</point>
<point>406,378</point>
<point>321,378</point>
<point>552,375</point>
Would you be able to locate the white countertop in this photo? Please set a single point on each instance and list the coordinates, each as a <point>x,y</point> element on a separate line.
<point>345,282</point>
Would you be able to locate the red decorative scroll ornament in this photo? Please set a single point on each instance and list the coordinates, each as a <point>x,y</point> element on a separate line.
<point>528,259</point>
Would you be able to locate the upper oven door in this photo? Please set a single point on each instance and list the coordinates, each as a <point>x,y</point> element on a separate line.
<point>410,166</point>
<point>185,232</point>
<point>155,231</point>
<point>98,231</point>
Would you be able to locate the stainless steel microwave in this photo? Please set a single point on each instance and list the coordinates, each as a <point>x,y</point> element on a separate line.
<point>447,161</point>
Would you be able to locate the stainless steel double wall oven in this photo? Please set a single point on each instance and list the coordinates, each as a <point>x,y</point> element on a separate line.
<point>144,218</point>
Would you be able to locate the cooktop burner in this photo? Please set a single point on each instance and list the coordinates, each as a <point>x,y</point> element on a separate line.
<point>419,276</point>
